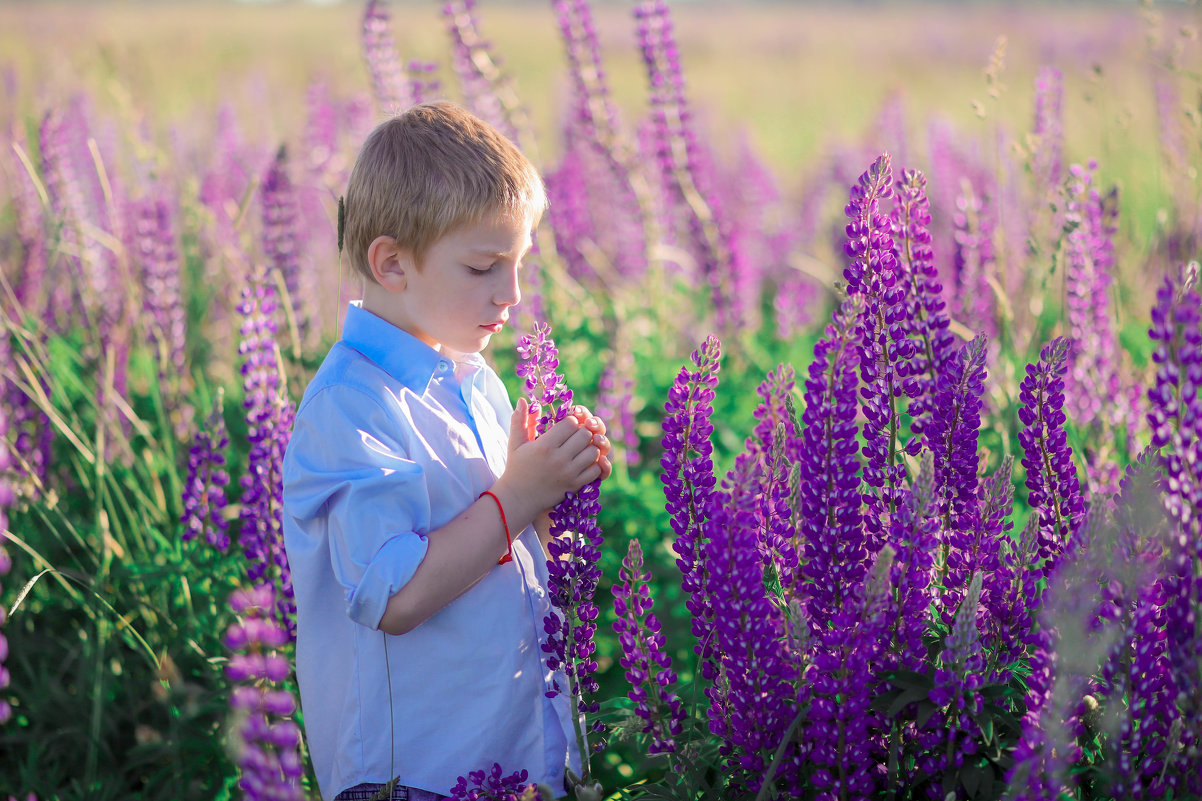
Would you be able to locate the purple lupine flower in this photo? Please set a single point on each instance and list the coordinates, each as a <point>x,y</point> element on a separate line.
<point>915,537</point>
<point>838,738</point>
<point>684,169</point>
<point>750,705</point>
<point>648,667</point>
<point>492,785</point>
<point>1175,415</point>
<point>282,243</point>
<point>572,566</point>
<point>572,221</point>
<point>66,207</point>
<point>836,554</point>
<point>487,93</point>
<point>1048,130</point>
<point>204,497</point>
<point>30,219</point>
<point>952,434</point>
<point>1014,603</point>
<point>162,302</point>
<point>959,677</point>
<point>619,208</point>
<point>267,739</point>
<point>383,64</point>
<point>1093,373</point>
<point>321,129</point>
<point>1053,492</point>
<point>615,399</point>
<point>423,80</point>
<point>995,499</point>
<point>269,416</point>
<point>1139,753</point>
<point>882,341</point>
<point>688,479</point>
<point>975,263</point>
<point>925,309</point>
<point>776,444</point>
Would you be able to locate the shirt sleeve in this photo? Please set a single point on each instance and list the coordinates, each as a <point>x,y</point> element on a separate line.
<point>346,463</point>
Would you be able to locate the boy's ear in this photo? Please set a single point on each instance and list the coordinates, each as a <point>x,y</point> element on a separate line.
<point>389,262</point>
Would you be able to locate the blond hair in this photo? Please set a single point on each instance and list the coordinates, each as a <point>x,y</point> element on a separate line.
<point>430,170</point>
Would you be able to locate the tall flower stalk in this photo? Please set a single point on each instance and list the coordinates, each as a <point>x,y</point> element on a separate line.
<point>204,497</point>
<point>688,479</point>
<point>882,342</point>
<point>1175,415</point>
<point>269,416</point>
<point>266,739</point>
<point>388,82</point>
<point>648,667</point>
<point>574,549</point>
<point>1053,491</point>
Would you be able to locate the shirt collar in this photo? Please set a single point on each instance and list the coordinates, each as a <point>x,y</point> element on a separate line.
<point>402,355</point>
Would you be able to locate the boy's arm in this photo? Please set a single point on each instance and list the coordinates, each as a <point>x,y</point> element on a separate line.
<point>538,474</point>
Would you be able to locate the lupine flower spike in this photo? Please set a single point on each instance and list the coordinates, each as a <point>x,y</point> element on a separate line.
<point>574,549</point>
<point>269,416</point>
<point>688,478</point>
<point>648,667</point>
<point>266,738</point>
<point>204,493</point>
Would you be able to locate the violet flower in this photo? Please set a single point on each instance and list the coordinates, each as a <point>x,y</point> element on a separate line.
<point>836,553</point>
<point>958,679</point>
<point>926,313</point>
<point>648,667</point>
<point>684,167</point>
<point>882,341</point>
<point>615,399</point>
<point>162,302</point>
<point>574,549</point>
<point>776,444</point>
<point>974,224</point>
<point>269,416</point>
<point>1048,130</point>
<point>952,435</point>
<point>1175,414</point>
<point>266,739</point>
<point>423,80</point>
<point>480,785</point>
<point>380,54</point>
<point>688,479</point>
<point>838,739</point>
<point>486,92</point>
<point>1093,370</point>
<point>204,497</point>
<point>1053,492</point>
<point>915,536</point>
<point>282,243</point>
<point>750,707</point>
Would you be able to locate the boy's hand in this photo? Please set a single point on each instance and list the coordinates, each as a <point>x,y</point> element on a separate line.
<point>542,469</point>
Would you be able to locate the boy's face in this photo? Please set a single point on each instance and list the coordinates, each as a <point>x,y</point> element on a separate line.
<point>460,295</point>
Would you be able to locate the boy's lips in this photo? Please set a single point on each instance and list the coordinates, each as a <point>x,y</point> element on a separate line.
<point>494,327</point>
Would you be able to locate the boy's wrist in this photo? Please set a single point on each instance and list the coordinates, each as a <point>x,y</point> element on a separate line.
<point>519,511</point>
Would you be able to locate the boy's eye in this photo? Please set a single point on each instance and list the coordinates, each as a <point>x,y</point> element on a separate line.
<point>481,270</point>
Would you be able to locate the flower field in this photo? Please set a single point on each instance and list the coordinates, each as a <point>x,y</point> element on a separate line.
<point>892,311</point>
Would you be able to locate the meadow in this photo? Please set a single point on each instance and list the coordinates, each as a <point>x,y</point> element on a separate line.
<point>892,311</point>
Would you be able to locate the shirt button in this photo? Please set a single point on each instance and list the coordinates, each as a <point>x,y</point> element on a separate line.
<point>442,367</point>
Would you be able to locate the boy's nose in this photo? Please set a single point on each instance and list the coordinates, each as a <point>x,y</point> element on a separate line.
<point>510,291</point>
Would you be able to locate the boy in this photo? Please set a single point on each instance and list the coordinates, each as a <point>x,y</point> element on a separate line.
<point>419,628</point>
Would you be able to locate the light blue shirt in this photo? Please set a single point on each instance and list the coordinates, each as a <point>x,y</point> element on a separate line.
<point>392,441</point>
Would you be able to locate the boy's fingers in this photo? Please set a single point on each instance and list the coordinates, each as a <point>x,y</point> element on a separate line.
<point>607,468</point>
<point>532,417</point>
<point>518,428</point>
<point>559,433</point>
<point>584,462</point>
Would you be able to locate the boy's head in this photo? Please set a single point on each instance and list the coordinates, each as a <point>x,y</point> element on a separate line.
<point>429,170</point>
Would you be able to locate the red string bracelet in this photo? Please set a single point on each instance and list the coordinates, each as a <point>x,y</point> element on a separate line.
<point>508,557</point>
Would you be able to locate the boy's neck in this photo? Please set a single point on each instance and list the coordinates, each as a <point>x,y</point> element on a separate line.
<point>383,305</point>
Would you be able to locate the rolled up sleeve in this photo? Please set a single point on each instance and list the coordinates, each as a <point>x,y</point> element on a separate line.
<point>349,470</point>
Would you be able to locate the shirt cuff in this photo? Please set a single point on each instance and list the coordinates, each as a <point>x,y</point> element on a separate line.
<point>389,570</point>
